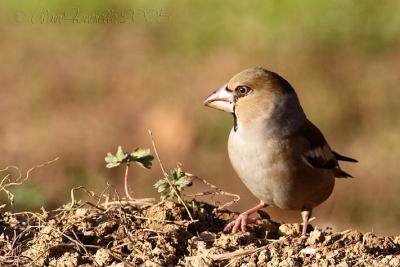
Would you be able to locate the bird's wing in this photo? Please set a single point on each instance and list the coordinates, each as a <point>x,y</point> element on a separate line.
<point>318,153</point>
<point>343,158</point>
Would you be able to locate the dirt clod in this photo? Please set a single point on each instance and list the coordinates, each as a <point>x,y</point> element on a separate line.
<point>289,229</point>
<point>316,236</point>
<point>164,235</point>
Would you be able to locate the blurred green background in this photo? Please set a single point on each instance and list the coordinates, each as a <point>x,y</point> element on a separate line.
<point>79,78</point>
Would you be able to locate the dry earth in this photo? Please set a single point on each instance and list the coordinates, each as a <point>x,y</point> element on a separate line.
<point>163,235</point>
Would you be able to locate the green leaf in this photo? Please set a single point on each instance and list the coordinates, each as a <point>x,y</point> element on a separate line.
<point>179,180</point>
<point>158,183</point>
<point>121,155</point>
<point>112,165</point>
<point>140,153</point>
<point>111,161</point>
<point>162,188</point>
<point>143,157</point>
<point>177,173</point>
<point>115,160</point>
<point>161,185</point>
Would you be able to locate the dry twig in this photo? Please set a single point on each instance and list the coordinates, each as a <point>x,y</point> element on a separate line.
<point>6,182</point>
<point>166,177</point>
<point>217,191</point>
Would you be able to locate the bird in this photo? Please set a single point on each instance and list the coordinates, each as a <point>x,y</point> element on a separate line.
<point>278,153</point>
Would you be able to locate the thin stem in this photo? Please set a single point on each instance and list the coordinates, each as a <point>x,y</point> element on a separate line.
<point>166,177</point>
<point>126,183</point>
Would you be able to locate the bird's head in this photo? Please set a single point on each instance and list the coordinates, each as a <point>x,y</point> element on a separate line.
<point>250,94</point>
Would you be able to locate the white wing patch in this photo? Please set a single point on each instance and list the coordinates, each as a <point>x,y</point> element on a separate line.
<point>323,152</point>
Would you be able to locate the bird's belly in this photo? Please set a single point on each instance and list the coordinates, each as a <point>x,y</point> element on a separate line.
<point>276,179</point>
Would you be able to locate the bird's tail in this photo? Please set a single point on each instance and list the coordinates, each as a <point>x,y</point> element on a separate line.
<point>339,173</point>
<point>343,158</point>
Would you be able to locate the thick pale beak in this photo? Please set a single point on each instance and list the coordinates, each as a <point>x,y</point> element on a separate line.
<point>221,99</point>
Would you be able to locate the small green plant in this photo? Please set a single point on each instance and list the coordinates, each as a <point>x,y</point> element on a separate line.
<point>178,181</point>
<point>196,206</point>
<point>140,156</point>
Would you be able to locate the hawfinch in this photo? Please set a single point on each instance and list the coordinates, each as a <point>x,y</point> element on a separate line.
<point>280,155</point>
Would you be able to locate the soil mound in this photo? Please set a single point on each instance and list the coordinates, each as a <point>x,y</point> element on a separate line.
<point>163,235</point>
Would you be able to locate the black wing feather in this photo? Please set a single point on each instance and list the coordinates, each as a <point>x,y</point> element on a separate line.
<point>320,154</point>
<point>343,158</point>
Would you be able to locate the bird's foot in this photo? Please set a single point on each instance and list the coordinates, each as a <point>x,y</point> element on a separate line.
<point>305,214</point>
<point>304,231</point>
<point>240,223</point>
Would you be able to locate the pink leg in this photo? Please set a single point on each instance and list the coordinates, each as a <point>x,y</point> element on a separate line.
<point>243,219</point>
<point>305,214</point>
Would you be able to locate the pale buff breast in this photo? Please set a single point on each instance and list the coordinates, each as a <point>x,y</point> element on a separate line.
<point>273,171</point>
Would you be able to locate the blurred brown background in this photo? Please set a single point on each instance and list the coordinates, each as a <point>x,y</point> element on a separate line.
<point>79,78</point>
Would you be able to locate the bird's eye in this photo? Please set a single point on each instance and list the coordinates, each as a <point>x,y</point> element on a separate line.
<point>242,90</point>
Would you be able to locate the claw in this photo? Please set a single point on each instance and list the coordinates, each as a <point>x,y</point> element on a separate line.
<point>243,219</point>
<point>229,226</point>
<point>240,223</point>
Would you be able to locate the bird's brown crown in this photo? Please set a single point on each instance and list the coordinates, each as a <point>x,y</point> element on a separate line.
<point>256,91</point>
<point>260,79</point>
